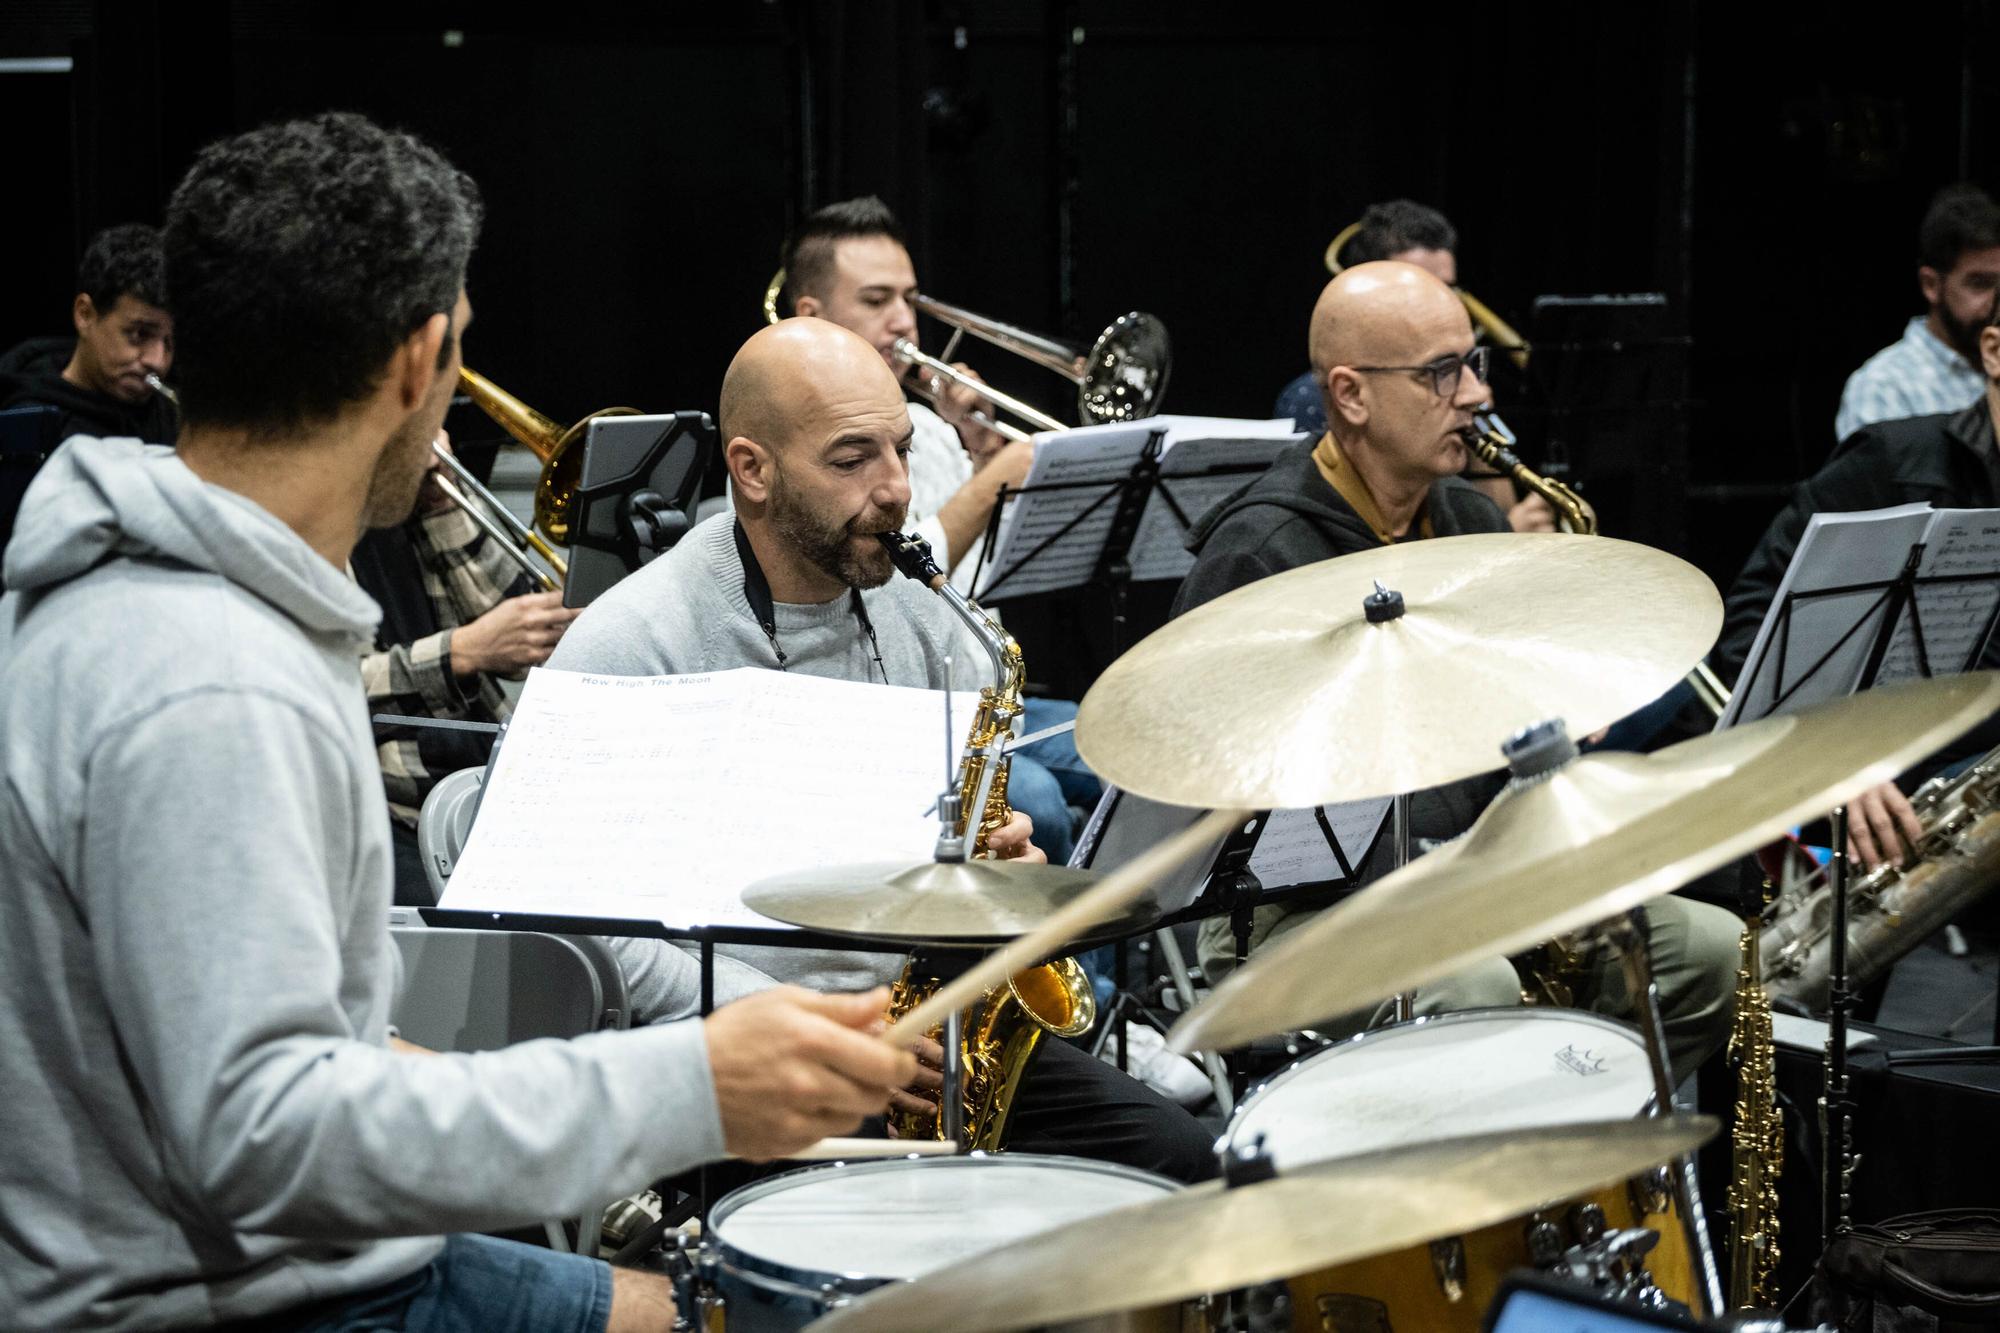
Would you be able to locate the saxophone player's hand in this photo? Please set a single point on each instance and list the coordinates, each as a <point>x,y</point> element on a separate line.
<point>920,1096</point>
<point>1011,842</point>
<point>1882,826</point>
<point>792,1067</point>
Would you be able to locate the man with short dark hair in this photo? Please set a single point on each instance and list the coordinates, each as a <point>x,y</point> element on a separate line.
<point>206,1120</point>
<point>815,433</point>
<point>1934,366</point>
<point>1394,356</point>
<point>97,380</point>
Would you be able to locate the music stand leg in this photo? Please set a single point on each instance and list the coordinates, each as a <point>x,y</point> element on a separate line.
<point>1211,1063</point>
<point>1638,962</point>
<point>951,1102</point>
<point>1399,840</point>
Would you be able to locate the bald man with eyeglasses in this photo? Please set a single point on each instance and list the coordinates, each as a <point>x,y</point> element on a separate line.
<point>1394,357</point>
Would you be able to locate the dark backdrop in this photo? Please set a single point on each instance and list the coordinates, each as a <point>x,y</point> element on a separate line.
<point>1061,161</point>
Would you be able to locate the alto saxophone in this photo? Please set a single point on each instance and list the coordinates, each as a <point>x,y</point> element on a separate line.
<point>1493,443</point>
<point>1893,909</point>
<point>1757,1139</point>
<point>1001,1030</point>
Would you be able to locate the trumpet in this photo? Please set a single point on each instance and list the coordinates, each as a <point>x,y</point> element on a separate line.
<point>1499,330</point>
<point>1122,376</point>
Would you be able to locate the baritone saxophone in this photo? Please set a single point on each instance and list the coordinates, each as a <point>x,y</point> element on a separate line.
<point>1001,1030</point>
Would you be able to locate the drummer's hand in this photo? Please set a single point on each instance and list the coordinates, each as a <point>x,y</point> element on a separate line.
<point>1010,842</point>
<point>920,1097</point>
<point>791,1067</point>
<point>1881,826</point>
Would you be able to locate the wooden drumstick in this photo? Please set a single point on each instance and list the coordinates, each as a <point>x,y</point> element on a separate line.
<point>1098,904</point>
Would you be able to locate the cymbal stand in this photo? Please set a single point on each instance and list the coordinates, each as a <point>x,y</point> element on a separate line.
<point>1399,837</point>
<point>1629,934</point>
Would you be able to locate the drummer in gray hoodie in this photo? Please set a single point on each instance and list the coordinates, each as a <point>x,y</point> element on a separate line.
<point>205,1117</point>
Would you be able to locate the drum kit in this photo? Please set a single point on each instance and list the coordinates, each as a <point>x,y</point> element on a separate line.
<point>1391,1181</point>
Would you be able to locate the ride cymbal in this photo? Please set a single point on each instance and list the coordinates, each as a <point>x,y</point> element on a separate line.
<point>1581,842</point>
<point>1285,694</point>
<point>1212,1238</point>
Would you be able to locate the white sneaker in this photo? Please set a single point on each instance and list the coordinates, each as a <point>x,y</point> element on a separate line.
<point>1173,1076</point>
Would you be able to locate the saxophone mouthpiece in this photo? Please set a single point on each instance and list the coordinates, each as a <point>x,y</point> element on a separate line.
<point>912,557</point>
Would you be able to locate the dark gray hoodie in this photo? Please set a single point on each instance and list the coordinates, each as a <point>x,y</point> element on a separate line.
<point>201,1119</point>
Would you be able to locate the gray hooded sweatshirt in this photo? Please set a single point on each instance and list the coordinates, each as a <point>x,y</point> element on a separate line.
<point>201,1118</point>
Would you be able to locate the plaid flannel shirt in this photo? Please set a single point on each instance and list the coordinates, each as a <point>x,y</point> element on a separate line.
<point>466,574</point>
<point>1915,376</point>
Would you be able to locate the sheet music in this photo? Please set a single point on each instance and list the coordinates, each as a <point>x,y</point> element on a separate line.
<point>1159,545</point>
<point>1292,849</point>
<point>663,797</point>
<point>1956,618</point>
<point>1089,461</point>
<point>1836,550</point>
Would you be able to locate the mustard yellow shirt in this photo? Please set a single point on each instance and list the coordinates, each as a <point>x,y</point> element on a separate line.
<point>1340,475</point>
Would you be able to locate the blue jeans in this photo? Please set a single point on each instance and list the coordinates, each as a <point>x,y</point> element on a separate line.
<point>476,1284</point>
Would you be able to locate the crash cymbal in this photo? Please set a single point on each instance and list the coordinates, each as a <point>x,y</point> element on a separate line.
<point>926,902</point>
<point>1587,840</point>
<point>1211,1238</point>
<point>1282,694</point>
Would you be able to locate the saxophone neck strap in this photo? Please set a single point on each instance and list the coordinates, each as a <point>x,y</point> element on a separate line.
<point>757,592</point>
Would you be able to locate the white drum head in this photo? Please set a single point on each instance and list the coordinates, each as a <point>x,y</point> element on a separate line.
<point>1471,1073</point>
<point>902,1219</point>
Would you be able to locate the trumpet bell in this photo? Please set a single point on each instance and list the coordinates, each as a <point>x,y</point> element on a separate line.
<point>1124,375</point>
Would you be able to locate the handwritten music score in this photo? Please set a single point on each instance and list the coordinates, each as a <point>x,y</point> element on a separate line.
<point>663,797</point>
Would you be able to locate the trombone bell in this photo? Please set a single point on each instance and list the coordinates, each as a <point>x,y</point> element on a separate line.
<point>560,451</point>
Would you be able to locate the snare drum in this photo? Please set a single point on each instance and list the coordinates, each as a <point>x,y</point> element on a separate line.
<point>783,1251</point>
<point>1476,1072</point>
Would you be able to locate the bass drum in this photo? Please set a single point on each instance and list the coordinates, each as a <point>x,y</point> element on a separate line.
<point>784,1251</point>
<point>1477,1072</point>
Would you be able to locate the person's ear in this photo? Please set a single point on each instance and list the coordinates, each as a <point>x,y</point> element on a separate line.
<point>809,306</point>
<point>1344,398</point>
<point>1931,283</point>
<point>1989,351</point>
<point>83,313</point>
<point>413,368</point>
<point>750,467</point>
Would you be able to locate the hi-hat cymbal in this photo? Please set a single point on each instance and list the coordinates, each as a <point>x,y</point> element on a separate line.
<point>929,902</point>
<point>1593,838</point>
<point>1282,694</point>
<point>1210,1238</point>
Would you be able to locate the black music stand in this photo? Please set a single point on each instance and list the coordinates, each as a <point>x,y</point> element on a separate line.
<point>1892,599</point>
<point>1107,561</point>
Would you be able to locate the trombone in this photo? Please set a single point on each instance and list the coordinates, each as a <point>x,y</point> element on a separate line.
<point>1499,330</point>
<point>1122,376</point>
<point>561,454</point>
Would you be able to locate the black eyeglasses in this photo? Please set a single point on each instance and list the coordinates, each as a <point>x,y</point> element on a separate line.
<point>1444,371</point>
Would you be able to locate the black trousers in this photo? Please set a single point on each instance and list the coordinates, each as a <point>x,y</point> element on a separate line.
<point>1078,1106</point>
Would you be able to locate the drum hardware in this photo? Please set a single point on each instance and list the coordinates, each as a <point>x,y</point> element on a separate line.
<point>1757,1131</point>
<point>1284,694</point>
<point>1122,376</point>
<point>1589,840</point>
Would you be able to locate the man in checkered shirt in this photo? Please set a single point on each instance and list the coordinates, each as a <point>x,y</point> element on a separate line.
<point>457,615</point>
<point>1934,366</point>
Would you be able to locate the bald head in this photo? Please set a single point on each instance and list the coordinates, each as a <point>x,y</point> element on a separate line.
<point>798,372</point>
<point>1385,313</point>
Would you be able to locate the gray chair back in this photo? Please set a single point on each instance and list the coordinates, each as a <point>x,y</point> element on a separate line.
<point>445,822</point>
